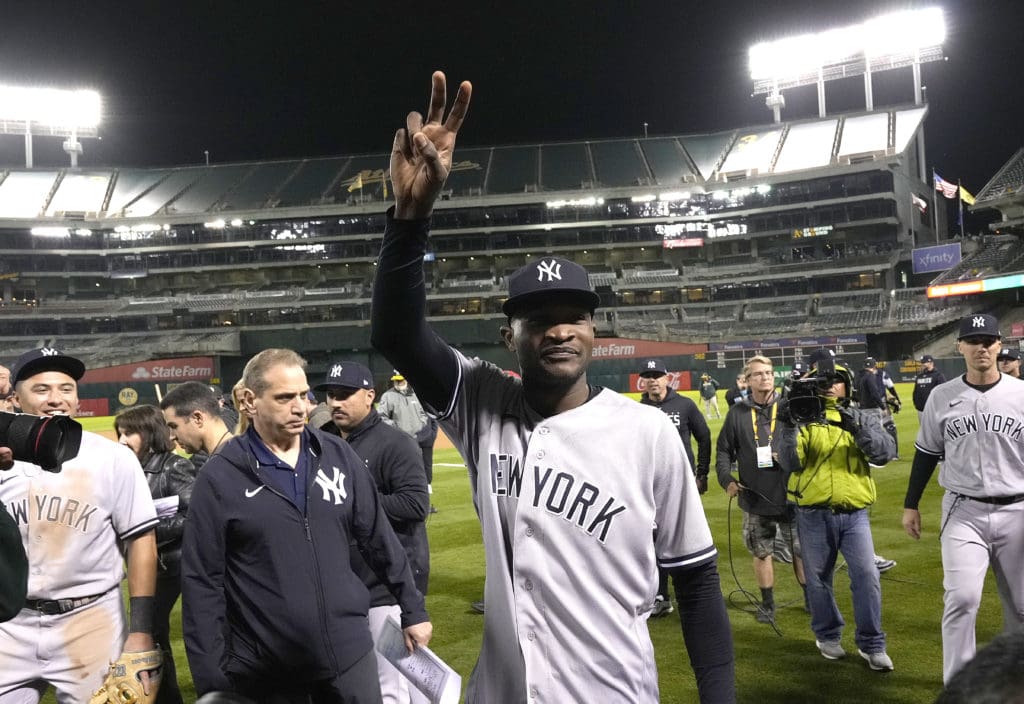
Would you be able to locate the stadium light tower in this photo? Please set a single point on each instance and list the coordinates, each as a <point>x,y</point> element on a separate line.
<point>884,43</point>
<point>50,112</point>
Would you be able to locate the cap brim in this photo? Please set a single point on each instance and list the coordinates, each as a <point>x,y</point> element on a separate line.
<point>653,373</point>
<point>71,366</point>
<point>534,299</point>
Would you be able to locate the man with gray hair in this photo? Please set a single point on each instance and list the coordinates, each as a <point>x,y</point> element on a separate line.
<point>271,607</point>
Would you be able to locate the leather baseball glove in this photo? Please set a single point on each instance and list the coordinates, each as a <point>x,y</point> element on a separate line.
<point>123,683</point>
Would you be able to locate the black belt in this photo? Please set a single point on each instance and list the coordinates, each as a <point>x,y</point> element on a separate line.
<point>54,607</point>
<point>997,500</point>
<point>834,509</point>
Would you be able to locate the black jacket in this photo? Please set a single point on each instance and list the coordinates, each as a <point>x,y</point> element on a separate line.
<point>268,592</point>
<point>688,420</point>
<point>169,474</point>
<point>14,575</point>
<point>924,382</point>
<point>734,394</point>
<point>396,465</point>
<point>767,486</point>
<point>870,390</point>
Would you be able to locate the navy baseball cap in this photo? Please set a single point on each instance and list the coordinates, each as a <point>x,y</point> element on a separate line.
<point>1007,353</point>
<point>927,358</point>
<point>46,359</point>
<point>546,278</point>
<point>653,368</point>
<point>349,375</point>
<point>870,363</point>
<point>979,325</point>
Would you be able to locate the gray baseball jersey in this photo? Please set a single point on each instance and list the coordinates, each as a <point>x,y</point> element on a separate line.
<point>980,434</point>
<point>577,511</point>
<point>982,438</point>
<point>72,524</point>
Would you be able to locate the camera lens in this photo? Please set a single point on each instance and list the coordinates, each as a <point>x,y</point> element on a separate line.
<point>47,441</point>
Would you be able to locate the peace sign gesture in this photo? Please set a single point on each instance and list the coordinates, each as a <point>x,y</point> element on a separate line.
<point>421,156</point>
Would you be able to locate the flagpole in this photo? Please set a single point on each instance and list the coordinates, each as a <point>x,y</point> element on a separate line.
<point>960,205</point>
<point>913,207</point>
<point>935,207</point>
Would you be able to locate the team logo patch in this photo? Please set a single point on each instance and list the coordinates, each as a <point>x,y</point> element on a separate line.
<point>332,487</point>
<point>978,322</point>
<point>651,365</point>
<point>550,269</point>
<point>335,371</point>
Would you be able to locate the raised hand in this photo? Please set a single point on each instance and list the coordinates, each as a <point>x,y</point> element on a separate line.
<point>421,156</point>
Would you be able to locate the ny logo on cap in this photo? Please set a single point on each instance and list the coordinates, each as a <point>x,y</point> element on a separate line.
<point>335,371</point>
<point>652,365</point>
<point>49,352</point>
<point>551,269</point>
<point>978,321</point>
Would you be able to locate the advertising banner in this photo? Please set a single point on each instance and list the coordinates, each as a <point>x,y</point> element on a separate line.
<point>937,258</point>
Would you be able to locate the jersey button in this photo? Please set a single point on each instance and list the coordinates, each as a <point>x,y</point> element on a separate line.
<point>531,636</point>
<point>533,692</point>
<point>529,532</point>
<point>529,585</point>
<point>544,430</point>
<point>540,454</point>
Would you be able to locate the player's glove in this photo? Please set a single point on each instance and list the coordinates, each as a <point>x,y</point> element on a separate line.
<point>702,483</point>
<point>123,683</point>
<point>894,404</point>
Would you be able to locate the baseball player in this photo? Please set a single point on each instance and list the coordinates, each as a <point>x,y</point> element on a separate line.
<point>568,478</point>
<point>396,465</point>
<point>1009,362</point>
<point>74,523</point>
<point>709,395</point>
<point>927,379</point>
<point>749,441</point>
<point>975,422</point>
<point>689,421</point>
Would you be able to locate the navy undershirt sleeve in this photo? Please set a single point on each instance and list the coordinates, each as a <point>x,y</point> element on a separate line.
<point>398,322</point>
<point>920,474</point>
<point>706,632</point>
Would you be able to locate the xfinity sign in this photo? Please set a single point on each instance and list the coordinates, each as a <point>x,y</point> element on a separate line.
<point>940,258</point>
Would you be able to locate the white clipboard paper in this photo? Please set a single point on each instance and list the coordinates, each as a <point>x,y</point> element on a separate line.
<point>433,679</point>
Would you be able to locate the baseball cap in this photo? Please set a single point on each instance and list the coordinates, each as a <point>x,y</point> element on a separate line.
<point>547,277</point>
<point>397,376</point>
<point>1007,353</point>
<point>979,325</point>
<point>46,359</point>
<point>870,363</point>
<point>350,375</point>
<point>927,358</point>
<point>653,368</point>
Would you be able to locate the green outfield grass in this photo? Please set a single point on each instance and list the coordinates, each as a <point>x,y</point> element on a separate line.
<point>783,667</point>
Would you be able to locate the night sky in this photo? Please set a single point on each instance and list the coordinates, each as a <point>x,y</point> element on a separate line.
<point>323,78</point>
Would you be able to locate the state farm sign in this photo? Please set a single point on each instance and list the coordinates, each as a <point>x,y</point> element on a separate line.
<point>159,370</point>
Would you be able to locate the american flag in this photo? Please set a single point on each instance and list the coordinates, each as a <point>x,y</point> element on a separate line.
<point>950,190</point>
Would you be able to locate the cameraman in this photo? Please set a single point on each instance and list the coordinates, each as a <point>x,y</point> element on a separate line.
<point>829,455</point>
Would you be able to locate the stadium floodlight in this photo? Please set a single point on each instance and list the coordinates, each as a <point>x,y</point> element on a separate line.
<point>50,112</point>
<point>49,231</point>
<point>890,41</point>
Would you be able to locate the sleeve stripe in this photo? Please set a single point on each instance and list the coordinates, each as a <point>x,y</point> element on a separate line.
<point>140,528</point>
<point>455,393</point>
<point>927,451</point>
<point>690,560</point>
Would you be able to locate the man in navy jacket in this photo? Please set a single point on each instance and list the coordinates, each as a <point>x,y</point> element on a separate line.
<point>272,607</point>
<point>396,465</point>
